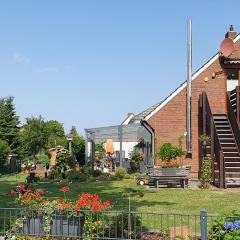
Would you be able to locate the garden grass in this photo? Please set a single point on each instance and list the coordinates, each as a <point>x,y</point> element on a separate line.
<point>165,200</point>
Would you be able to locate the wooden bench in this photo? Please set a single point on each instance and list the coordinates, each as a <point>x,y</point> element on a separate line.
<point>169,176</point>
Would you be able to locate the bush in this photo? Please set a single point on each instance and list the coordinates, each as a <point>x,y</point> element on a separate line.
<point>96,173</point>
<point>226,228</point>
<point>206,172</point>
<point>128,176</point>
<point>74,176</point>
<point>136,157</point>
<point>120,172</point>
<point>42,159</point>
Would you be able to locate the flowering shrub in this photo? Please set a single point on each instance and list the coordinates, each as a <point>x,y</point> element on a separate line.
<point>45,208</point>
<point>226,227</point>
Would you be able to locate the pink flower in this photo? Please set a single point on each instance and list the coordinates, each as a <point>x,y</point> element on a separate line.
<point>21,186</point>
<point>65,189</point>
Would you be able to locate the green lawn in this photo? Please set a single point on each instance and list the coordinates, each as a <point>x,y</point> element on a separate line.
<point>216,201</point>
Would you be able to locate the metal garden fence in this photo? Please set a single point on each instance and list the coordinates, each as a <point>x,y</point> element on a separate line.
<point>109,225</point>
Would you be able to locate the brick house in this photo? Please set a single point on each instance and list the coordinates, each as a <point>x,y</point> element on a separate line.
<point>214,97</point>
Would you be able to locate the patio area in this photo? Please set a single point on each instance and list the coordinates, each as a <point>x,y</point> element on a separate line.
<point>125,138</point>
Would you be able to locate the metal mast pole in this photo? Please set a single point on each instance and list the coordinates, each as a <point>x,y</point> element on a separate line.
<point>189,86</point>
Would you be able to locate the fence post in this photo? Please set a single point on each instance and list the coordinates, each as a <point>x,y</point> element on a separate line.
<point>203,219</point>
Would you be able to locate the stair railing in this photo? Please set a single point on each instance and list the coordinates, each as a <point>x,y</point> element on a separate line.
<point>233,119</point>
<point>209,128</point>
<point>234,101</point>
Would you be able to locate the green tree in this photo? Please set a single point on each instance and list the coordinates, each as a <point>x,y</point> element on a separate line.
<point>4,151</point>
<point>34,136</point>
<point>169,152</point>
<point>78,146</point>
<point>9,124</point>
<point>56,135</point>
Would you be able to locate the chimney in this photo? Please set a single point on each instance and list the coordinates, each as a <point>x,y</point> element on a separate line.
<point>231,33</point>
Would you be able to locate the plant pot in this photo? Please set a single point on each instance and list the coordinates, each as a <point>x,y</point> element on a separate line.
<point>60,226</point>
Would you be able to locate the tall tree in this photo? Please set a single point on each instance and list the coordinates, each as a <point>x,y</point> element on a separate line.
<point>78,146</point>
<point>56,135</point>
<point>34,136</point>
<point>9,124</point>
<point>4,151</point>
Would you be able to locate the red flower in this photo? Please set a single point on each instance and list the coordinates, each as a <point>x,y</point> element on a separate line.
<point>59,201</point>
<point>37,195</point>
<point>96,206</point>
<point>29,190</point>
<point>40,191</point>
<point>106,204</point>
<point>82,202</point>
<point>67,205</point>
<point>65,189</point>
<point>21,186</point>
<point>76,208</point>
<point>13,192</point>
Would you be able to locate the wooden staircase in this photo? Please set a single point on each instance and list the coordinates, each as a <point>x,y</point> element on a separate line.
<point>234,100</point>
<point>229,150</point>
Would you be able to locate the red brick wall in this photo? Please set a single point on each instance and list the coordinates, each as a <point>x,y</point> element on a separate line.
<point>170,122</point>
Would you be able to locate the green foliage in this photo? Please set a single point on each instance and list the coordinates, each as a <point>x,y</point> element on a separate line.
<point>42,159</point>
<point>121,223</point>
<point>205,138</point>
<point>4,151</point>
<point>78,146</point>
<point>206,171</point>
<point>96,173</point>
<point>169,152</point>
<point>55,133</point>
<point>65,160</point>
<point>9,121</point>
<point>39,135</point>
<point>218,231</point>
<point>34,135</point>
<point>74,176</point>
<point>121,172</point>
<point>100,150</point>
<point>136,157</point>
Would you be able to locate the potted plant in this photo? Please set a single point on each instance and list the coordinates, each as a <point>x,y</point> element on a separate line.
<point>204,139</point>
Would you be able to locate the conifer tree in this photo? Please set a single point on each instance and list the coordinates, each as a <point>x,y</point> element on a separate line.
<point>9,124</point>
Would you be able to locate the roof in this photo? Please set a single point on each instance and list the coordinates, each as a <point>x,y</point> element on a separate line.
<point>149,112</point>
<point>144,113</point>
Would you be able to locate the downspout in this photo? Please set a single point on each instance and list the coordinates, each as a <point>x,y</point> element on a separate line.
<point>189,87</point>
<point>151,131</point>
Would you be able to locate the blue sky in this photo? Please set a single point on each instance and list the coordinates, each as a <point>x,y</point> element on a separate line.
<point>88,63</point>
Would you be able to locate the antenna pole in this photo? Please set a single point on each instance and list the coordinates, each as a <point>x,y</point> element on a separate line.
<point>189,86</point>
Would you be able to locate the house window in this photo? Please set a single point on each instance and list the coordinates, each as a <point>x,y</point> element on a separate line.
<point>232,79</point>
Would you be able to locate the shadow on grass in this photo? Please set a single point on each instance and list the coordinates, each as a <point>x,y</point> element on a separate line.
<point>111,190</point>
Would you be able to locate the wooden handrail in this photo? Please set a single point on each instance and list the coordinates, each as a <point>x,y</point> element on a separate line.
<point>233,120</point>
<point>209,129</point>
